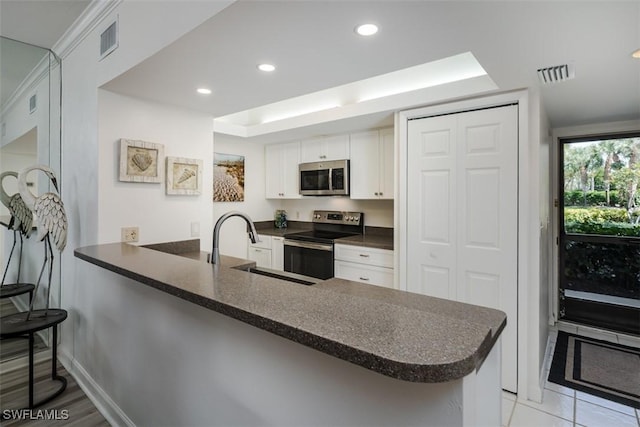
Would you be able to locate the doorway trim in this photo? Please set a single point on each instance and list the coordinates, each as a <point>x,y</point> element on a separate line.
<point>584,131</point>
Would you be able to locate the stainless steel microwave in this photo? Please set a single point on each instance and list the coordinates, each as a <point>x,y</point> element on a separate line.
<point>329,178</point>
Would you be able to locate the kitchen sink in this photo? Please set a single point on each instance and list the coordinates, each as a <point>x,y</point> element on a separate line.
<point>282,275</point>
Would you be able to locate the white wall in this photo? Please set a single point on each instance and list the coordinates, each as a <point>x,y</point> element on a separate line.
<point>541,144</point>
<point>255,205</point>
<point>160,217</point>
<point>143,30</point>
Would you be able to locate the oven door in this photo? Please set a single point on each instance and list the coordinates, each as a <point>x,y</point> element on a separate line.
<point>308,258</point>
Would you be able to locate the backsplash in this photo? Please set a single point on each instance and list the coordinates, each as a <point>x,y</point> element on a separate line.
<point>378,213</point>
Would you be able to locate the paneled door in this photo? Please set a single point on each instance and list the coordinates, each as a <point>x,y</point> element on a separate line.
<point>462,214</point>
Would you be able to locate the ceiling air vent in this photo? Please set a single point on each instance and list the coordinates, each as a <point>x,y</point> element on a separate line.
<point>557,73</point>
<point>33,104</point>
<point>109,40</point>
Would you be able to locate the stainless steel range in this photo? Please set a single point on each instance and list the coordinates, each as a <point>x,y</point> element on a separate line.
<point>310,253</point>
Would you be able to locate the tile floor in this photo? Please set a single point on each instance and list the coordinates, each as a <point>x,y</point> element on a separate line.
<point>562,406</point>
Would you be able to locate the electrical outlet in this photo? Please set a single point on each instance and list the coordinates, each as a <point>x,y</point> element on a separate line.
<point>129,234</point>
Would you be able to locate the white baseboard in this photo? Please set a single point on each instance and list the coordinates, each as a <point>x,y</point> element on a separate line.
<point>107,407</point>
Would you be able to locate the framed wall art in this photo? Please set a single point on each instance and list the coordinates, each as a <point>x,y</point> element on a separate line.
<point>184,176</point>
<point>140,161</point>
<point>228,178</point>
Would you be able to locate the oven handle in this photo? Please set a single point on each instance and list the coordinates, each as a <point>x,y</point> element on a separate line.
<point>308,245</point>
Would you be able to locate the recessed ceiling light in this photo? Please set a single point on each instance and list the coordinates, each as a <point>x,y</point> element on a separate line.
<point>266,67</point>
<point>367,29</point>
<point>636,54</point>
<point>204,91</point>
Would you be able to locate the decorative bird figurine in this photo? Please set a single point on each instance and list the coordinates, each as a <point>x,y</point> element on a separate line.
<point>20,222</point>
<point>51,220</point>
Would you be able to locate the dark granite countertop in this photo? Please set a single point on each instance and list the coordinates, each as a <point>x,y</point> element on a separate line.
<point>399,334</point>
<point>374,237</point>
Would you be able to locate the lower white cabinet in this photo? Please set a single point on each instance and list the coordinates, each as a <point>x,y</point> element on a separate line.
<point>261,256</point>
<point>261,252</point>
<point>365,265</point>
<point>268,252</point>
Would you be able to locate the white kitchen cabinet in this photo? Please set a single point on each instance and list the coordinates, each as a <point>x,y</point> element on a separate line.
<point>281,170</point>
<point>262,257</point>
<point>372,164</point>
<point>277,253</point>
<point>366,265</point>
<point>268,252</point>
<point>335,147</point>
<point>260,252</point>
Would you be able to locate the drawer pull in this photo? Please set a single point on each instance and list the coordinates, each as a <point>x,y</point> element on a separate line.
<point>364,278</point>
<point>364,255</point>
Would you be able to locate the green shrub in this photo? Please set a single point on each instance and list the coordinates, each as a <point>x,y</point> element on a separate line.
<point>594,198</point>
<point>595,215</point>
<point>603,228</point>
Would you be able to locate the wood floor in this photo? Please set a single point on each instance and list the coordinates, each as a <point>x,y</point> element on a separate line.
<point>71,408</point>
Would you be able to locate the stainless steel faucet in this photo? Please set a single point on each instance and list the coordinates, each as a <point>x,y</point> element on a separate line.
<point>253,234</point>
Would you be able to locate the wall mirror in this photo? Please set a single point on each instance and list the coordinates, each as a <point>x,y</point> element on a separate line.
<point>30,97</point>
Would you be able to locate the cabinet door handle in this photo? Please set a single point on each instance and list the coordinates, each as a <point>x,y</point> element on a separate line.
<point>257,250</point>
<point>364,278</point>
<point>364,255</point>
<point>376,193</point>
<point>380,194</point>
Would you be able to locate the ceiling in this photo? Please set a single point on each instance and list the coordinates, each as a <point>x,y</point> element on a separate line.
<point>30,28</point>
<point>314,47</point>
<point>38,22</point>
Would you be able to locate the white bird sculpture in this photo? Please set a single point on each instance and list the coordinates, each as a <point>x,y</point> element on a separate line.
<point>51,220</point>
<point>20,222</point>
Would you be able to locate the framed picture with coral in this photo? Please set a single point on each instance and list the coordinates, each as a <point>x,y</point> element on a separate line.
<point>140,161</point>
<point>228,178</point>
<point>184,176</point>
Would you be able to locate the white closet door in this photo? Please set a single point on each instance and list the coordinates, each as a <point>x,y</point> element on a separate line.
<point>462,235</point>
<point>431,206</point>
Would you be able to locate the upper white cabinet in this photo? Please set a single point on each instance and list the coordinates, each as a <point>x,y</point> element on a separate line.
<point>372,164</point>
<point>281,170</point>
<point>335,147</point>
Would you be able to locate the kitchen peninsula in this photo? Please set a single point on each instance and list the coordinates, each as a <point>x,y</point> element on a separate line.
<point>426,361</point>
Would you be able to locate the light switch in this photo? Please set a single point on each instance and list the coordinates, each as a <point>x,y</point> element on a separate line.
<point>195,229</point>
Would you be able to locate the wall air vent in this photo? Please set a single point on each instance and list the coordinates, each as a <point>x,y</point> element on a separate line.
<point>109,40</point>
<point>33,104</point>
<point>557,73</point>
